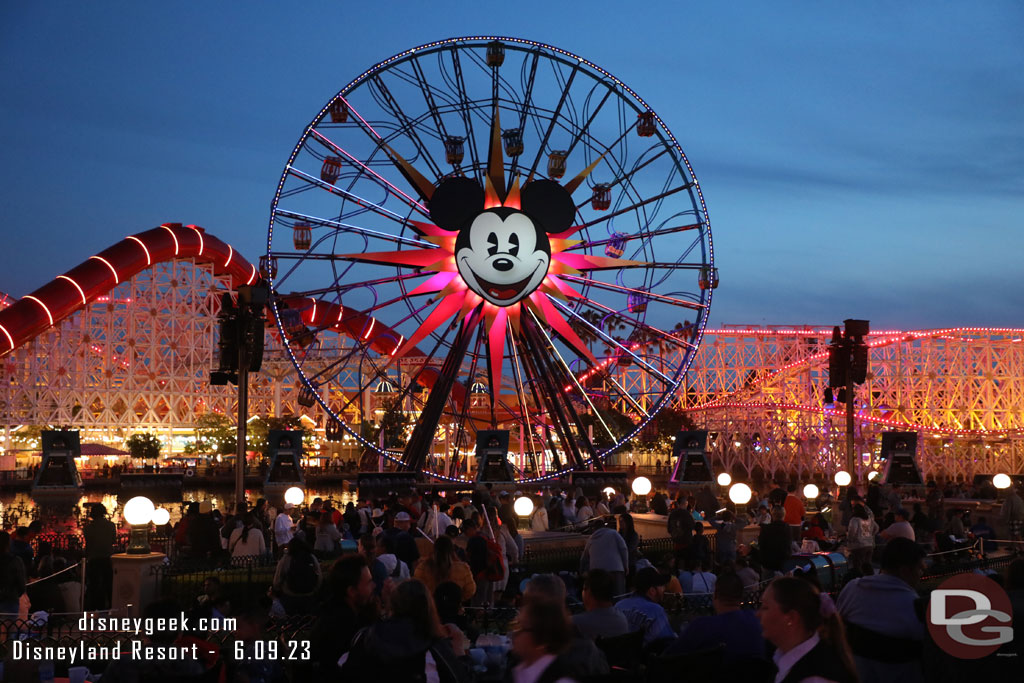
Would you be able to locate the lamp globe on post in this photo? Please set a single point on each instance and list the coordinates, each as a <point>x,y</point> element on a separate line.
<point>523,507</point>
<point>843,478</point>
<point>740,494</point>
<point>641,487</point>
<point>872,475</point>
<point>724,479</point>
<point>1002,481</point>
<point>294,496</point>
<point>161,516</point>
<point>811,492</point>
<point>138,512</point>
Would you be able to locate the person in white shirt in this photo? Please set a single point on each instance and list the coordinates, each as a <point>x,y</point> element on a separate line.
<point>247,540</point>
<point>901,528</point>
<point>539,518</point>
<point>284,527</point>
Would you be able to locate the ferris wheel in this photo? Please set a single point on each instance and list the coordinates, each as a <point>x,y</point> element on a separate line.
<point>488,230</point>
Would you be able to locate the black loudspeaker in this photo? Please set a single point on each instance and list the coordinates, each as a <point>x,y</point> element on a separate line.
<point>380,484</point>
<point>57,469</point>
<point>285,449</point>
<point>899,452</point>
<point>492,463</point>
<point>691,459</point>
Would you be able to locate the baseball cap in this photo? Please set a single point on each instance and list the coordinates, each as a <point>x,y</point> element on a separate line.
<point>377,512</point>
<point>403,517</point>
<point>648,578</point>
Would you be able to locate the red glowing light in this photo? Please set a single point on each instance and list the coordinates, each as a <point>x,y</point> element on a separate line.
<point>7,334</point>
<point>200,233</point>
<point>231,252</point>
<point>174,237</point>
<point>65,277</point>
<point>112,270</point>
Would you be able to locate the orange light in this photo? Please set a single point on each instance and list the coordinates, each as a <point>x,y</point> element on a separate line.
<point>48,314</point>
<point>65,277</point>
<point>231,252</point>
<point>100,258</point>
<point>149,261</point>
<point>200,233</point>
<point>7,334</point>
<point>174,237</point>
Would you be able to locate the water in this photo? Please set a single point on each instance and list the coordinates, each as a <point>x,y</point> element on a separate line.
<point>17,508</point>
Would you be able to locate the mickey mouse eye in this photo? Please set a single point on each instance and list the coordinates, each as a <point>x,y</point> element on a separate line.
<point>492,240</point>
<point>514,245</point>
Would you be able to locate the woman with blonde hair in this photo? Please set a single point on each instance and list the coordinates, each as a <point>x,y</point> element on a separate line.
<point>803,625</point>
<point>444,565</point>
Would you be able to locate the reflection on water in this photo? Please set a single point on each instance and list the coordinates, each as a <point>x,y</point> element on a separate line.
<point>17,508</point>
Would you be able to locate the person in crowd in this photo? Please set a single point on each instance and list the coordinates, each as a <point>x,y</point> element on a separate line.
<point>69,584</point>
<point>539,516</point>
<point>738,629</point>
<point>775,541</point>
<point>203,533</point>
<point>750,576</point>
<point>580,659</point>
<point>707,502</point>
<point>725,538</point>
<point>541,634</point>
<point>163,664</point>
<point>794,511</point>
<point>396,569</point>
<point>881,615</point>
<point>448,599</point>
<point>808,636</point>
<point>435,520</point>
<point>627,530</point>
<point>100,535</point>
<point>643,608</point>
<point>327,535</point>
<point>13,579</point>
<point>445,566</point>
<point>584,511</point>
<point>298,577</point>
<point>247,540</point>
<point>378,572</point>
<point>900,528</point>
<point>606,549</point>
<point>703,580</point>
<point>986,533</point>
<point>410,646</point>
<point>405,544</point>
<point>659,503</point>
<point>860,536</point>
<point>246,658</point>
<point>350,605</point>
<point>556,515</point>
<point>21,545</point>
<point>955,525</point>
<point>284,527</point>
<point>922,524</point>
<point>1013,513</point>
<point>601,618</point>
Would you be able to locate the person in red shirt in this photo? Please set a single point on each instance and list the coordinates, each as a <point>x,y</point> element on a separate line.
<point>794,511</point>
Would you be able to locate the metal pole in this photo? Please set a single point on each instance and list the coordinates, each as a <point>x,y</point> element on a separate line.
<point>243,405</point>
<point>850,455</point>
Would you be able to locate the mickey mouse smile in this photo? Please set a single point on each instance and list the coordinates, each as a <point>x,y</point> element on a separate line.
<point>499,291</point>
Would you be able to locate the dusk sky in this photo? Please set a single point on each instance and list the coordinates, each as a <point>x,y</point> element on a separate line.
<point>858,160</point>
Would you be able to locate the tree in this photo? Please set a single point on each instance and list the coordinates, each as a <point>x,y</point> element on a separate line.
<point>214,433</point>
<point>143,446</point>
<point>393,423</point>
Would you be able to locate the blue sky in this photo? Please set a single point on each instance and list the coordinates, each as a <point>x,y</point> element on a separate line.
<point>859,160</point>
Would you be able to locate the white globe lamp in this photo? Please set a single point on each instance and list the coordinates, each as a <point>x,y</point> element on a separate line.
<point>1001,481</point>
<point>843,478</point>
<point>138,512</point>
<point>810,492</point>
<point>161,516</point>
<point>294,496</point>
<point>740,494</point>
<point>641,486</point>
<point>724,479</point>
<point>609,491</point>
<point>873,475</point>
<point>523,506</point>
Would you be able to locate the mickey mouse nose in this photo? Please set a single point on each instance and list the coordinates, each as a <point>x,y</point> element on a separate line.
<point>502,264</point>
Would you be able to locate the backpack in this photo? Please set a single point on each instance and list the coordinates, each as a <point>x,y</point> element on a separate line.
<point>494,569</point>
<point>301,579</point>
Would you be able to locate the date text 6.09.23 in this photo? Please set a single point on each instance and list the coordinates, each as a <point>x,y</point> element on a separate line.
<point>272,650</point>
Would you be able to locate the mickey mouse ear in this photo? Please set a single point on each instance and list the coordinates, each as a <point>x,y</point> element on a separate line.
<point>455,202</point>
<point>550,204</point>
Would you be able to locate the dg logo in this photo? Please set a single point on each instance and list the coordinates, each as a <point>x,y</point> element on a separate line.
<point>970,616</point>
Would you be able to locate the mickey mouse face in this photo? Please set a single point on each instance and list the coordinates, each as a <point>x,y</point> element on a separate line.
<point>502,256</point>
<point>502,253</point>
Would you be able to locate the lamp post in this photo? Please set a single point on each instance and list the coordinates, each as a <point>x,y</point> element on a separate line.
<point>641,487</point>
<point>523,507</point>
<point>138,512</point>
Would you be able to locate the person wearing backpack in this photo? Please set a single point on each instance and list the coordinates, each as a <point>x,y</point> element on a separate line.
<point>485,560</point>
<point>12,578</point>
<point>298,577</point>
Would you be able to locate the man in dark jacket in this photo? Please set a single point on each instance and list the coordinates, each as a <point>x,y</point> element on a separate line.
<point>351,605</point>
<point>775,541</point>
<point>100,536</point>
<point>12,578</point>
